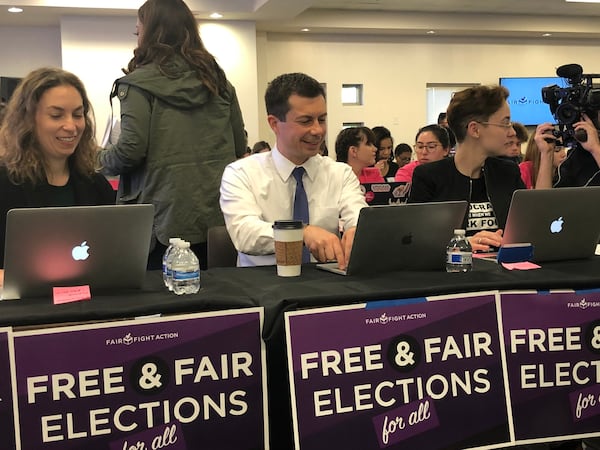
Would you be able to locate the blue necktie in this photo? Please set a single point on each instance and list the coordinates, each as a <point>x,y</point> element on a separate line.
<point>301,206</point>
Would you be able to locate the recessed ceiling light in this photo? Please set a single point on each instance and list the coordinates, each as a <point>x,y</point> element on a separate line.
<point>216,15</point>
<point>583,1</point>
<point>431,32</point>
<point>305,30</point>
<point>14,9</point>
<point>546,34</point>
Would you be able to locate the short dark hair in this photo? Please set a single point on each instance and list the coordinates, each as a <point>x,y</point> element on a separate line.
<point>349,137</point>
<point>441,117</point>
<point>440,132</point>
<point>402,148</point>
<point>522,133</point>
<point>259,146</point>
<point>281,88</point>
<point>476,103</point>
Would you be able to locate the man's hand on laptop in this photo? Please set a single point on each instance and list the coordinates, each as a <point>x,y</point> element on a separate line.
<point>347,241</point>
<point>324,246</point>
<point>484,241</point>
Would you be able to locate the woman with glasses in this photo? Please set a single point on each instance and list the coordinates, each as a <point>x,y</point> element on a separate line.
<point>480,119</point>
<point>531,164</point>
<point>432,143</point>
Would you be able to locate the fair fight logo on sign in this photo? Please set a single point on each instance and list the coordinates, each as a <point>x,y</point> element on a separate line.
<point>393,376</point>
<point>553,356</point>
<point>177,383</point>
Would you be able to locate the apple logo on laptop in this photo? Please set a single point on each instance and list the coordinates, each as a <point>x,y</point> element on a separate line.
<point>80,252</point>
<point>407,239</point>
<point>557,225</point>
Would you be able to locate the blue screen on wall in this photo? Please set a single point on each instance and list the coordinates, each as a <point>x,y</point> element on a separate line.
<point>525,99</point>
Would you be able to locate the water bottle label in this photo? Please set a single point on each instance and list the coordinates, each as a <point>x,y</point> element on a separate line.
<point>460,258</point>
<point>182,276</point>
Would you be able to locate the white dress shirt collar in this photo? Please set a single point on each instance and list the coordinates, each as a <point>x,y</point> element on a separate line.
<point>285,167</point>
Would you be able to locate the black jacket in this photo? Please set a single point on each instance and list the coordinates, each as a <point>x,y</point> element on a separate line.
<point>88,191</point>
<point>578,169</point>
<point>441,181</point>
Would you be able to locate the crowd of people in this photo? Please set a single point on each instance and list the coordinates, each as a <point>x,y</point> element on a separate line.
<point>183,148</point>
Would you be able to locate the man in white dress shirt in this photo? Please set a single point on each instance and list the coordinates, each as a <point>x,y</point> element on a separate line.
<point>258,190</point>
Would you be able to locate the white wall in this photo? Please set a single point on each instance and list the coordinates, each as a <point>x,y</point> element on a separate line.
<point>396,70</point>
<point>96,48</point>
<point>26,48</point>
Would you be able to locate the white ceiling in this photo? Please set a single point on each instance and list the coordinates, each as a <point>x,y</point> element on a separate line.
<point>466,18</point>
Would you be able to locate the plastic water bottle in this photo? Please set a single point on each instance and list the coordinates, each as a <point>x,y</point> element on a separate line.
<point>186,270</point>
<point>165,268</point>
<point>459,254</point>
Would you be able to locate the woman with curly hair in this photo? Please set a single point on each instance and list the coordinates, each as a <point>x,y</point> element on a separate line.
<point>47,147</point>
<point>181,125</point>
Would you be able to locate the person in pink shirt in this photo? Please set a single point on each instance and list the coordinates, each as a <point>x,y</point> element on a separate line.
<point>432,143</point>
<point>355,147</point>
<point>531,163</point>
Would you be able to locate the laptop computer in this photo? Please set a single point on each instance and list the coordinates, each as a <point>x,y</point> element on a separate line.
<point>104,247</point>
<point>411,236</point>
<point>560,223</point>
<point>386,193</point>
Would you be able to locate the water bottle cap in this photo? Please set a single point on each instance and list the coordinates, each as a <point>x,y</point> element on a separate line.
<point>184,244</point>
<point>459,232</point>
<point>173,240</point>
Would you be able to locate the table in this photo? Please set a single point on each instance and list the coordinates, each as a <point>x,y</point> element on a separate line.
<point>226,288</point>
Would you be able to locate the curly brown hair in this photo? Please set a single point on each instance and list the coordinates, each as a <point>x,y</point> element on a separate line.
<point>20,151</point>
<point>170,29</point>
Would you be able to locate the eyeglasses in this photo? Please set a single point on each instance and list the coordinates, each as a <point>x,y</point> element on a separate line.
<point>503,125</point>
<point>431,146</point>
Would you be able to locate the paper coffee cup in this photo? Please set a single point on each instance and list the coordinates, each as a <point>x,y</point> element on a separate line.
<point>289,240</point>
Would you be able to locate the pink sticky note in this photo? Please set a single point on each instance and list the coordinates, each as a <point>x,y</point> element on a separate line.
<point>71,294</point>
<point>521,266</point>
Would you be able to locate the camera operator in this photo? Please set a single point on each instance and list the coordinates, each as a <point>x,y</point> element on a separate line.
<point>576,109</point>
<point>582,165</point>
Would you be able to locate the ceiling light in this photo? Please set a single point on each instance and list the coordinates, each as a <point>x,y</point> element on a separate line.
<point>583,1</point>
<point>216,15</point>
<point>14,9</point>
<point>546,34</point>
<point>431,32</point>
<point>305,30</point>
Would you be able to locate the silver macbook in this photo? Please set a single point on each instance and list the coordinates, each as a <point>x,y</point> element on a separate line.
<point>105,247</point>
<point>560,223</point>
<point>411,236</point>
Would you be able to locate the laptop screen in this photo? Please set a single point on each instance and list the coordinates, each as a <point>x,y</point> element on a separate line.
<point>99,246</point>
<point>386,193</point>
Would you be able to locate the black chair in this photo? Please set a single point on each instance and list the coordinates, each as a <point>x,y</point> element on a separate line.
<point>220,249</point>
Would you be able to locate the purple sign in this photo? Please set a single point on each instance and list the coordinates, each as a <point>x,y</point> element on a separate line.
<point>176,383</point>
<point>398,377</point>
<point>6,395</point>
<point>553,357</point>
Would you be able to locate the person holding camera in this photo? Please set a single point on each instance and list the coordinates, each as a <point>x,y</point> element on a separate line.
<point>576,109</point>
<point>582,165</point>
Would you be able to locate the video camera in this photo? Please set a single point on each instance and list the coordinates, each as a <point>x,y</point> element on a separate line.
<point>568,103</point>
